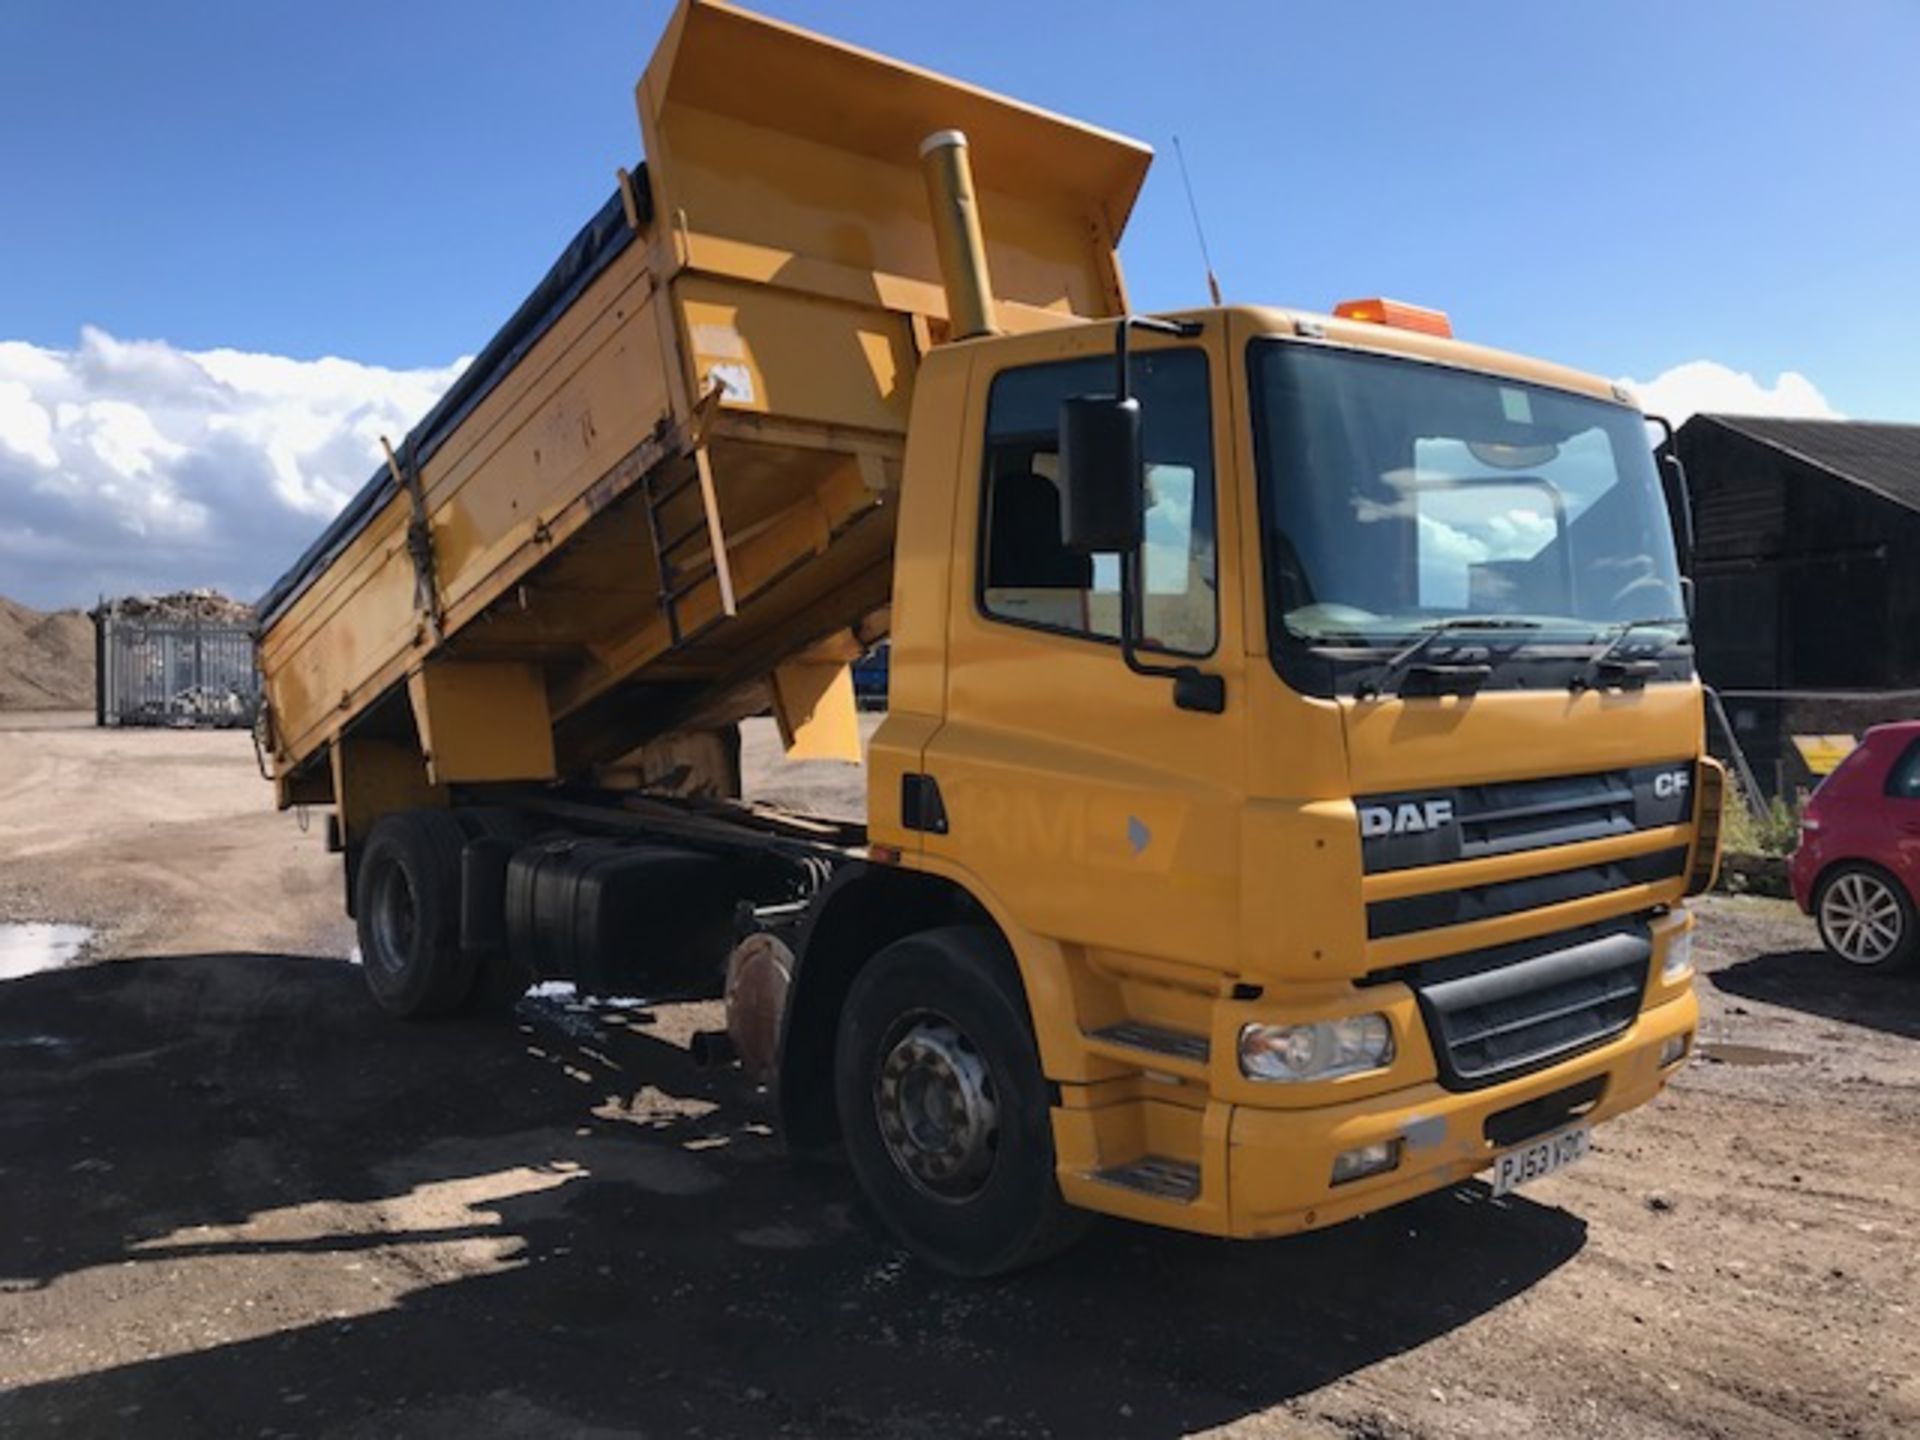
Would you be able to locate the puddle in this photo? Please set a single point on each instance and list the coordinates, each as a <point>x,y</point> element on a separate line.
<point>1749,1055</point>
<point>29,949</point>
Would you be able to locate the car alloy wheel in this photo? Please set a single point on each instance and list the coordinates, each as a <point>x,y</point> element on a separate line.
<point>1862,919</point>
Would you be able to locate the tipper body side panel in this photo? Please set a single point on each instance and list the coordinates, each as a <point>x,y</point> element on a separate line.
<point>681,477</point>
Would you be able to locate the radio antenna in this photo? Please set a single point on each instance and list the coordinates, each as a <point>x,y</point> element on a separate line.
<point>1213,283</point>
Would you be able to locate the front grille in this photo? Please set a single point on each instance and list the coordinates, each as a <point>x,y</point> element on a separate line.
<point>1403,829</point>
<point>1494,1014</point>
<point>1436,908</point>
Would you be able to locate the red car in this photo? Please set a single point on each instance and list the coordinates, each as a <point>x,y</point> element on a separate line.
<point>1857,869</point>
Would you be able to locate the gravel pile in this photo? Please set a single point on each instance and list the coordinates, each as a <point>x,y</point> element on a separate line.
<point>182,605</point>
<point>46,660</point>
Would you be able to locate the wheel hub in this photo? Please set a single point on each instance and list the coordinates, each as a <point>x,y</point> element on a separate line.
<point>393,922</point>
<point>1862,919</point>
<point>939,1116</point>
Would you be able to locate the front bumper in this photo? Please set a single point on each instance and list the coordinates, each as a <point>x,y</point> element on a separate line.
<point>1803,865</point>
<point>1279,1162</point>
<point>1264,1170</point>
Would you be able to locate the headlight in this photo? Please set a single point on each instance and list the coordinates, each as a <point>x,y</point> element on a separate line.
<point>1679,956</point>
<point>1319,1051</point>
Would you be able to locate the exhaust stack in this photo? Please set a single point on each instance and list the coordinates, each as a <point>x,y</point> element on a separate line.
<point>956,230</point>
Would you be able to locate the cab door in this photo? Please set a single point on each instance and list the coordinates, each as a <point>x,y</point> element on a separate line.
<point>1073,791</point>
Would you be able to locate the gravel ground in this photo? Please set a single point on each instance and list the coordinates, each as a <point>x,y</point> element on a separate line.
<point>236,1201</point>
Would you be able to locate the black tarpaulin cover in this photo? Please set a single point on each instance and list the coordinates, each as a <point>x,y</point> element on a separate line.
<point>599,242</point>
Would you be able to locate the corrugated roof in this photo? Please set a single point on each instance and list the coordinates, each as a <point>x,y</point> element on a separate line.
<point>1880,457</point>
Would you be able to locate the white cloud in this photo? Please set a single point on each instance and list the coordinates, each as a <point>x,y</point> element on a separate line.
<point>25,427</point>
<point>1518,534</point>
<point>129,465</point>
<point>1706,385</point>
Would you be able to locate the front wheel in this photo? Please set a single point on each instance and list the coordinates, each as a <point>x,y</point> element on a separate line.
<point>1866,918</point>
<point>944,1106</point>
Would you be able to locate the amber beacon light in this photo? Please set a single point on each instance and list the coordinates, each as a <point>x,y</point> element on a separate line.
<point>1397,314</point>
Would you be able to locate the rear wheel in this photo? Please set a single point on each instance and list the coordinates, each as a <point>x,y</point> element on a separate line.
<point>944,1106</point>
<point>1866,918</point>
<point>407,910</point>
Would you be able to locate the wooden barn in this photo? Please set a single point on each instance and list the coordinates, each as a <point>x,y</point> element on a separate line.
<point>1807,563</point>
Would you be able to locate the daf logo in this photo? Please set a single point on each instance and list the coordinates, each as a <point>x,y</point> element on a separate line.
<point>1671,784</point>
<point>1407,818</point>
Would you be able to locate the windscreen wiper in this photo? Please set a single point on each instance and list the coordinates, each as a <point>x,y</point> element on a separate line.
<point>1457,677</point>
<point>1604,670</point>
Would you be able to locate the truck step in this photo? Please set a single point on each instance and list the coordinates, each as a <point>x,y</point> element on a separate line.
<point>1160,1176</point>
<point>1155,1039</point>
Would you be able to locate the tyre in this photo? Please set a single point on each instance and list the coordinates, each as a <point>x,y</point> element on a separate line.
<point>1866,917</point>
<point>944,1108</point>
<point>407,911</point>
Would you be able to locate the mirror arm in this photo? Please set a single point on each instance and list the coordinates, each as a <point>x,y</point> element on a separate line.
<point>1193,688</point>
<point>1123,380</point>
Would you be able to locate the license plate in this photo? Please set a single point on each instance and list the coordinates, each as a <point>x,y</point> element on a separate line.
<point>1542,1157</point>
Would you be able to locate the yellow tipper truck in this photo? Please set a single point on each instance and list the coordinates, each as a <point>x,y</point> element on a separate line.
<point>1294,764</point>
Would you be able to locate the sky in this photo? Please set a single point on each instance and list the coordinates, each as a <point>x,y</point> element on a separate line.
<point>240,241</point>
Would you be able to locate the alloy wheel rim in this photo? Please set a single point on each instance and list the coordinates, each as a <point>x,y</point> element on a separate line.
<point>937,1108</point>
<point>1861,918</point>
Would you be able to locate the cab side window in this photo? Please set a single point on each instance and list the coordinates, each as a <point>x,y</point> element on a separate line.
<point>1028,577</point>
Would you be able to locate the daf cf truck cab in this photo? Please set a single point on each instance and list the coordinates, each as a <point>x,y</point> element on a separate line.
<point>1317,729</point>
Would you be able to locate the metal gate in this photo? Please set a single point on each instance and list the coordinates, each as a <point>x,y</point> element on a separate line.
<point>175,672</point>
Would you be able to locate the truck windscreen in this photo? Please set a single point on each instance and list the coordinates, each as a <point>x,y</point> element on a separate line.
<point>1401,496</point>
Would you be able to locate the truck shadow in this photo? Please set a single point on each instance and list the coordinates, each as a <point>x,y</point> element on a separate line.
<point>1819,984</point>
<point>309,1218</point>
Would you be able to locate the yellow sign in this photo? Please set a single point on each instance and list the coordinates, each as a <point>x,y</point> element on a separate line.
<point>1823,753</point>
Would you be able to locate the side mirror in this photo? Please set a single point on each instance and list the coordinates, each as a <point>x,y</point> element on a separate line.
<point>1679,495</point>
<point>1680,506</point>
<point>1102,475</point>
